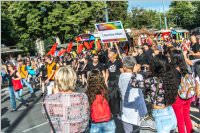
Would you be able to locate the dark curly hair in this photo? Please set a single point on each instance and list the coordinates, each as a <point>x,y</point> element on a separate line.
<point>177,60</point>
<point>161,69</point>
<point>96,85</point>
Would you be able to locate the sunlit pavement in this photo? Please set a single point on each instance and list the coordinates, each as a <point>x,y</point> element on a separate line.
<point>31,120</point>
<point>25,119</point>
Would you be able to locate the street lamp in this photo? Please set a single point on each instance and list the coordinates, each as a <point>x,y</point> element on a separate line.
<point>106,13</point>
<point>165,18</point>
<point>160,19</point>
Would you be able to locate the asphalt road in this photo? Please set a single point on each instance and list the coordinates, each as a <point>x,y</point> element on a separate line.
<point>31,120</point>
<point>25,119</point>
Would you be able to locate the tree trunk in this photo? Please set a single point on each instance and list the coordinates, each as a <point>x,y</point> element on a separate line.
<point>40,46</point>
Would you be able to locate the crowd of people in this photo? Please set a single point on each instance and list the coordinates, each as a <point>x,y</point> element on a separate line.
<point>87,92</point>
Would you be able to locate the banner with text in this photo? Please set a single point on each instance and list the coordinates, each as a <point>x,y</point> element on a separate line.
<point>111,32</point>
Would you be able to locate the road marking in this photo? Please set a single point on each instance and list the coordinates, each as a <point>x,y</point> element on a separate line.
<point>195,117</point>
<point>35,127</point>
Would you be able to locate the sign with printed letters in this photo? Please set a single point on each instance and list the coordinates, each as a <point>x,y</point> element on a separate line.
<point>111,32</point>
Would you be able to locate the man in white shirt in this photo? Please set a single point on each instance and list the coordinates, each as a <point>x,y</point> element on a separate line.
<point>133,104</point>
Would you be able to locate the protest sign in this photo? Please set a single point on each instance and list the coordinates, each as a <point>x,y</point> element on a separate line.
<point>111,32</point>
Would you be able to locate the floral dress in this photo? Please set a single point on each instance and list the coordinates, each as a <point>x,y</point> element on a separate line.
<point>156,91</point>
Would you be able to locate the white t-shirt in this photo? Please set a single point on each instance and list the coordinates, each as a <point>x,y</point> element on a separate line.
<point>133,104</point>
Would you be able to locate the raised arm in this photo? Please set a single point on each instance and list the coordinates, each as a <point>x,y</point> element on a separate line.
<point>187,60</point>
<point>118,50</point>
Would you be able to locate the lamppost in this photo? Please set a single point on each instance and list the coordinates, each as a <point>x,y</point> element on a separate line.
<point>165,18</point>
<point>160,19</point>
<point>106,11</point>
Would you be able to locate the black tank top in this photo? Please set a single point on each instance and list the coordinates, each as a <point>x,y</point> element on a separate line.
<point>14,75</point>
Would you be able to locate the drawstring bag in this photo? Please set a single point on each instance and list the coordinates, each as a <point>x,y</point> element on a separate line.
<point>100,110</point>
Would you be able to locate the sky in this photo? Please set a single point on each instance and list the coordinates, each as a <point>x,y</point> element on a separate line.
<point>149,4</point>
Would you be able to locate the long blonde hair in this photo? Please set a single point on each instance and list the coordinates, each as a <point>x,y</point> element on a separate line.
<point>65,79</point>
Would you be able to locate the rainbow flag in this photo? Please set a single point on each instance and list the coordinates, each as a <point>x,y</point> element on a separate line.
<point>109,26</point>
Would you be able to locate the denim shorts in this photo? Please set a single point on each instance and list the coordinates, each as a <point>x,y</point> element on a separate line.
<point>104,127</point>
<point>165,119</point>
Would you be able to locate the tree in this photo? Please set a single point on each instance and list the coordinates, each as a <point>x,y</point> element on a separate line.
<point>144,18</point>
<point>183,14</point>
<point>117,11</point>
<point>197,12</point>
<point>44,20</point>
<point>9,36</point>
<point>8,33</point>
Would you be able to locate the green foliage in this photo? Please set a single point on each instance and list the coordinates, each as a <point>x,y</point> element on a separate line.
<point>140,17</point>
<point>117,10</point>
<point>8,33</point>
<point>184,14</point>
<point>181,14</point>
<point>25,21</point>
<point>64,19</point>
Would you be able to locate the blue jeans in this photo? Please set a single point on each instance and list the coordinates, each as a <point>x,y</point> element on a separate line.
<point>4,78</point>
<point>14,95</point>
<point>165,119</point>
<point>24,82</point>
<point>130,128</point>
<point>104,127</point>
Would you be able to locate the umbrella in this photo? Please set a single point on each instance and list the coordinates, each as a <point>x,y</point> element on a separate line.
<point>85,37</point>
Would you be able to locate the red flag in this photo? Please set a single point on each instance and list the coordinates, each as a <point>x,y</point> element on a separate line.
<point>150,41</point>
<point>61,52</point>
<point>69,48</point>
<point>98,45</point>
<point>91,44</point>
<point>80,48</point>
<point>78,39</point>
<point>86,44</point>
<point>53,49</point>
